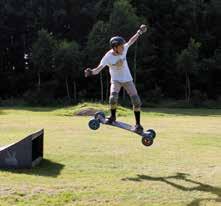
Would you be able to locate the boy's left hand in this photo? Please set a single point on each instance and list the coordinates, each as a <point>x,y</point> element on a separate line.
<point>143,29</point>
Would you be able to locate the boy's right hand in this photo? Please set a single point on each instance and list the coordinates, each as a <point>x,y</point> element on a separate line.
<point>88,72</point>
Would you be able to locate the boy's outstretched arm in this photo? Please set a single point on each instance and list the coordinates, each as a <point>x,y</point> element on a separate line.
<point>89,72</point>
<point>133,39</point>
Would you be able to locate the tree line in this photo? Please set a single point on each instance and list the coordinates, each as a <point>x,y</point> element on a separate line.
<point>46,44</point>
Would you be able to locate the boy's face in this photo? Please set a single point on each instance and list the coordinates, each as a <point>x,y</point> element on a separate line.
<point>119,49</point>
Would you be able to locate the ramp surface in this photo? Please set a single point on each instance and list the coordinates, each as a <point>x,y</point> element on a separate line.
<point>25,153</point>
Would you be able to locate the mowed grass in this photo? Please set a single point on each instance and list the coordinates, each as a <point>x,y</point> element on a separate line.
<point>110,166</point>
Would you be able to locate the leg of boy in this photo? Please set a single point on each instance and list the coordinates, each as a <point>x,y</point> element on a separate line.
<point>113,99</point>
<point>135,99</point>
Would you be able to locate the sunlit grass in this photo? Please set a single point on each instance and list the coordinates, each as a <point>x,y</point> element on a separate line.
<point>110,166</point>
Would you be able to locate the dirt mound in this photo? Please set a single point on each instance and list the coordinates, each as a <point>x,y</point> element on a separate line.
<point>86,112</point>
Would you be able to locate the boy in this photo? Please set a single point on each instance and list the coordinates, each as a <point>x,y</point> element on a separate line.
<point>120,74</point>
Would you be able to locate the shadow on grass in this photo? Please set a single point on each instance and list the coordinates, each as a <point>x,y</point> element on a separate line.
<point>183,176</point>
<point>45,168</point>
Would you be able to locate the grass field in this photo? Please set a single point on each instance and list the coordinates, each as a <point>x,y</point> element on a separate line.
<point>110,166</point>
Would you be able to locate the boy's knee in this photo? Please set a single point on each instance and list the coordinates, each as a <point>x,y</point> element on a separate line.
<point>136,102</point>
<point>113,100</point>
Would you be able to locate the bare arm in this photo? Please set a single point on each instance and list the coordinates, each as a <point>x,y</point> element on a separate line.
<point>89,72</point>
<point>133,39</point>
<point>97,70</point>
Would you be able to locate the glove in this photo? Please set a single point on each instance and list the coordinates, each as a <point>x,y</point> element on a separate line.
<point>88,72</point>
<point>143,29</point>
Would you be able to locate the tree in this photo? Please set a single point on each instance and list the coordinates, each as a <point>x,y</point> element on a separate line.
<point>42,54</point>
<point>96,46</point>
<point>123,19</point>
<point>67,65</point>
<point>187,64</point>
<point>91,24</point>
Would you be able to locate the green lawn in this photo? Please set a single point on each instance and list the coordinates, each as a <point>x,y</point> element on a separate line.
<point>110,166</point>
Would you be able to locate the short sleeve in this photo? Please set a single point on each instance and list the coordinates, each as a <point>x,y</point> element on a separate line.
<point>126,47</point>
<point>104,61</point>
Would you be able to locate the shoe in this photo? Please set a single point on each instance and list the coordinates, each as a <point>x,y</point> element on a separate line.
<point>110,120</point>
<point>138,129</point>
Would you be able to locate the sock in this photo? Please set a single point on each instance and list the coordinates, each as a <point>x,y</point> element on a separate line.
<point>113,113</point>
<point>137,117</point>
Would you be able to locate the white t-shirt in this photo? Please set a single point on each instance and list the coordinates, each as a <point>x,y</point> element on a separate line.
<point>118,67</point>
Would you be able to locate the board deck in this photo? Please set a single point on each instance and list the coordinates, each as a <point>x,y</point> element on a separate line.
<point>121,125</point>
<point>99,118</point>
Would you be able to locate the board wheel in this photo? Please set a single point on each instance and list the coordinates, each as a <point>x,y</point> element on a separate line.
<point>101,114</point>
<point>94,124</point>
<point>147,141</point>
<point>151,133</point>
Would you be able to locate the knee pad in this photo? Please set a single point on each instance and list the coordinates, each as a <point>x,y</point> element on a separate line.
<point>113,98</point>
<point>136,101</point>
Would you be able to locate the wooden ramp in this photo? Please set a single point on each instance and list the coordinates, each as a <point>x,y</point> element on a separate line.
<point>25,153</point>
